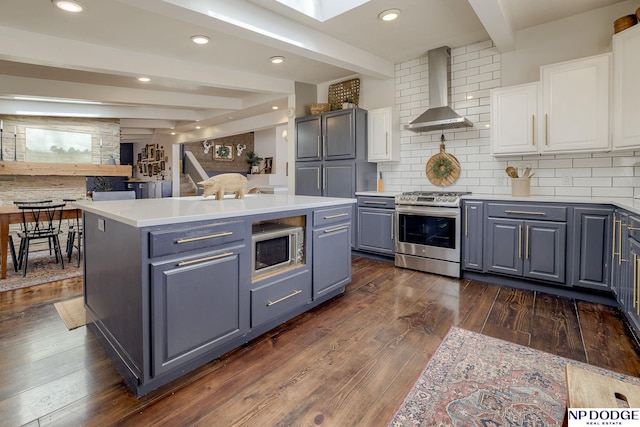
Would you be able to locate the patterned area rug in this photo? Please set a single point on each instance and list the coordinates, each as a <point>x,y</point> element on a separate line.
<point>42,268</point>
<point>476,380</point>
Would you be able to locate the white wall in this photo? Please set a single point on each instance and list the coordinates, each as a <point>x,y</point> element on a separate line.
<point>475,70</point>
<point>270,143</point>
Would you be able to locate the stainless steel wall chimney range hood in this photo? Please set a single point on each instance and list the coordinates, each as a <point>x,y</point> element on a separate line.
<point>439,116</point>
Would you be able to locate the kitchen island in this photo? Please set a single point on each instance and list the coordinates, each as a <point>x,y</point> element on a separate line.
<point>171,284</point>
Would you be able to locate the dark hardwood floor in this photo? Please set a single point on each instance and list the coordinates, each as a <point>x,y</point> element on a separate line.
<point>349,362</point>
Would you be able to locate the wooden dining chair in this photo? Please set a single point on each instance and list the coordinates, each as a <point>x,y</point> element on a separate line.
<point>74,230</point>
<point>39,222</point>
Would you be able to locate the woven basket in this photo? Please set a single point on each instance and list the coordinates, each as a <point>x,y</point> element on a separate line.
<point>625,22</point>
<point>319,108</point>
<point>347,91</point>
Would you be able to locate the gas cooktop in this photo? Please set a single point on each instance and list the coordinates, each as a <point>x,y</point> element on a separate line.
<point>431,198</point>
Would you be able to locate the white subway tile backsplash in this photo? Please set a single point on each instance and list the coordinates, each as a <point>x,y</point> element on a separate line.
<point>601,162</point>
<point>475,70</point>
<point>612,192</point>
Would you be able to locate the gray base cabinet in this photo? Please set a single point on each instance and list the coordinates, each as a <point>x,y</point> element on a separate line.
<point>376,225</point>
<point>332,249</point>
<point>531,249</point>
<point>473,235</point>
<point>580,246</point>
<point>164,300</point>
<point>620,276</point>
<point>592,247</point>
<point>197,304</point>
<point>628,255</point>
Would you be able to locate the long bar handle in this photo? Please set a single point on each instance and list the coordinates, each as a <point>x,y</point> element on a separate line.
<point>318,145</point>
<point>546,129</point>
<point>210,236</point>
<point>393,227</point>
<point>209,258</point>
<point>635,280</point>
<point>526,245</point>
<point>318,178</point>
<point>507,211</point>
<point>613,240</point>
<point>336,216</point>
<point>636,290</point>
<point>292,294</point>
<point>520,241</point>
<point>466,220</point>
<point>620,243</point>
<point>533,129</point>
<point>386,143</point>
<point>331,230</point>
<point>374,203</point>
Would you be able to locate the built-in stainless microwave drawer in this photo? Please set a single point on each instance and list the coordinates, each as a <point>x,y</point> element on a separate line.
<point>279,295</point>
<point>527,211</point>
<point>332,215</point>
<point>176,240</point>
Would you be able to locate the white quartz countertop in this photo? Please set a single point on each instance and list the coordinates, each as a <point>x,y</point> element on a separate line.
<point>630,204</point>
<point>172,210</point>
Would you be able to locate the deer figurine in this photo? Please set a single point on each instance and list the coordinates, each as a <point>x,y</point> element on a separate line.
<point>207,146</point>
<point>240,149</point>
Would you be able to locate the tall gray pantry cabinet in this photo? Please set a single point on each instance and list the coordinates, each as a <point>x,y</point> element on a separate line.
<point>331,154</point>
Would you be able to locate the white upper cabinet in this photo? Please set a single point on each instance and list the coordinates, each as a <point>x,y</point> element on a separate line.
<point>383,144</point>
<point>514,112</point>
<point>626,89</point>
<point>567,112</point>
<point>576,105</point>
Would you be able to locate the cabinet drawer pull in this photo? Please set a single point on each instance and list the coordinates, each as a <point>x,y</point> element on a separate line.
<point>210,236</point>
<point>336,216</point>
<point>344,227</point>
<point>292,294</point>
<point>209,258</point>
<point>524,212</point>
<point>374,203</point>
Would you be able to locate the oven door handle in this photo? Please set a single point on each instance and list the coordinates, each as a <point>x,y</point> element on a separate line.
<point>430,211</point>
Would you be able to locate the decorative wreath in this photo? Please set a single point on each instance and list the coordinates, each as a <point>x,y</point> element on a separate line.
<point>442,167</point>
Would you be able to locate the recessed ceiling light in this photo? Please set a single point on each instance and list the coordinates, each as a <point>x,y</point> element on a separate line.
<point>276,59</point>
<point>389,15</point>
<point>173,133</point>
<point>197,39</point>
<point>144,79</point>
<point>274,107</point>
<point>197,127</point>
<point>68,5</point>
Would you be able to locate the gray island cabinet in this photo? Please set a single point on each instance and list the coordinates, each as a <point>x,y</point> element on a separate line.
<point>169,283</point>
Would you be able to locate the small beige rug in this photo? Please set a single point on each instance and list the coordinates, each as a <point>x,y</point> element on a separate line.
<point>72,312</point>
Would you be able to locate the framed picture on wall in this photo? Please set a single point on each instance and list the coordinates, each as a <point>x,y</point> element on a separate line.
<point>223,152</point>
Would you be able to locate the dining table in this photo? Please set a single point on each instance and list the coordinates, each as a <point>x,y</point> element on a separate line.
<point>13,215</point>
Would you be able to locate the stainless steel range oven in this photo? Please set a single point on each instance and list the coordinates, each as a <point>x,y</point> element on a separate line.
<point>428,232</point>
